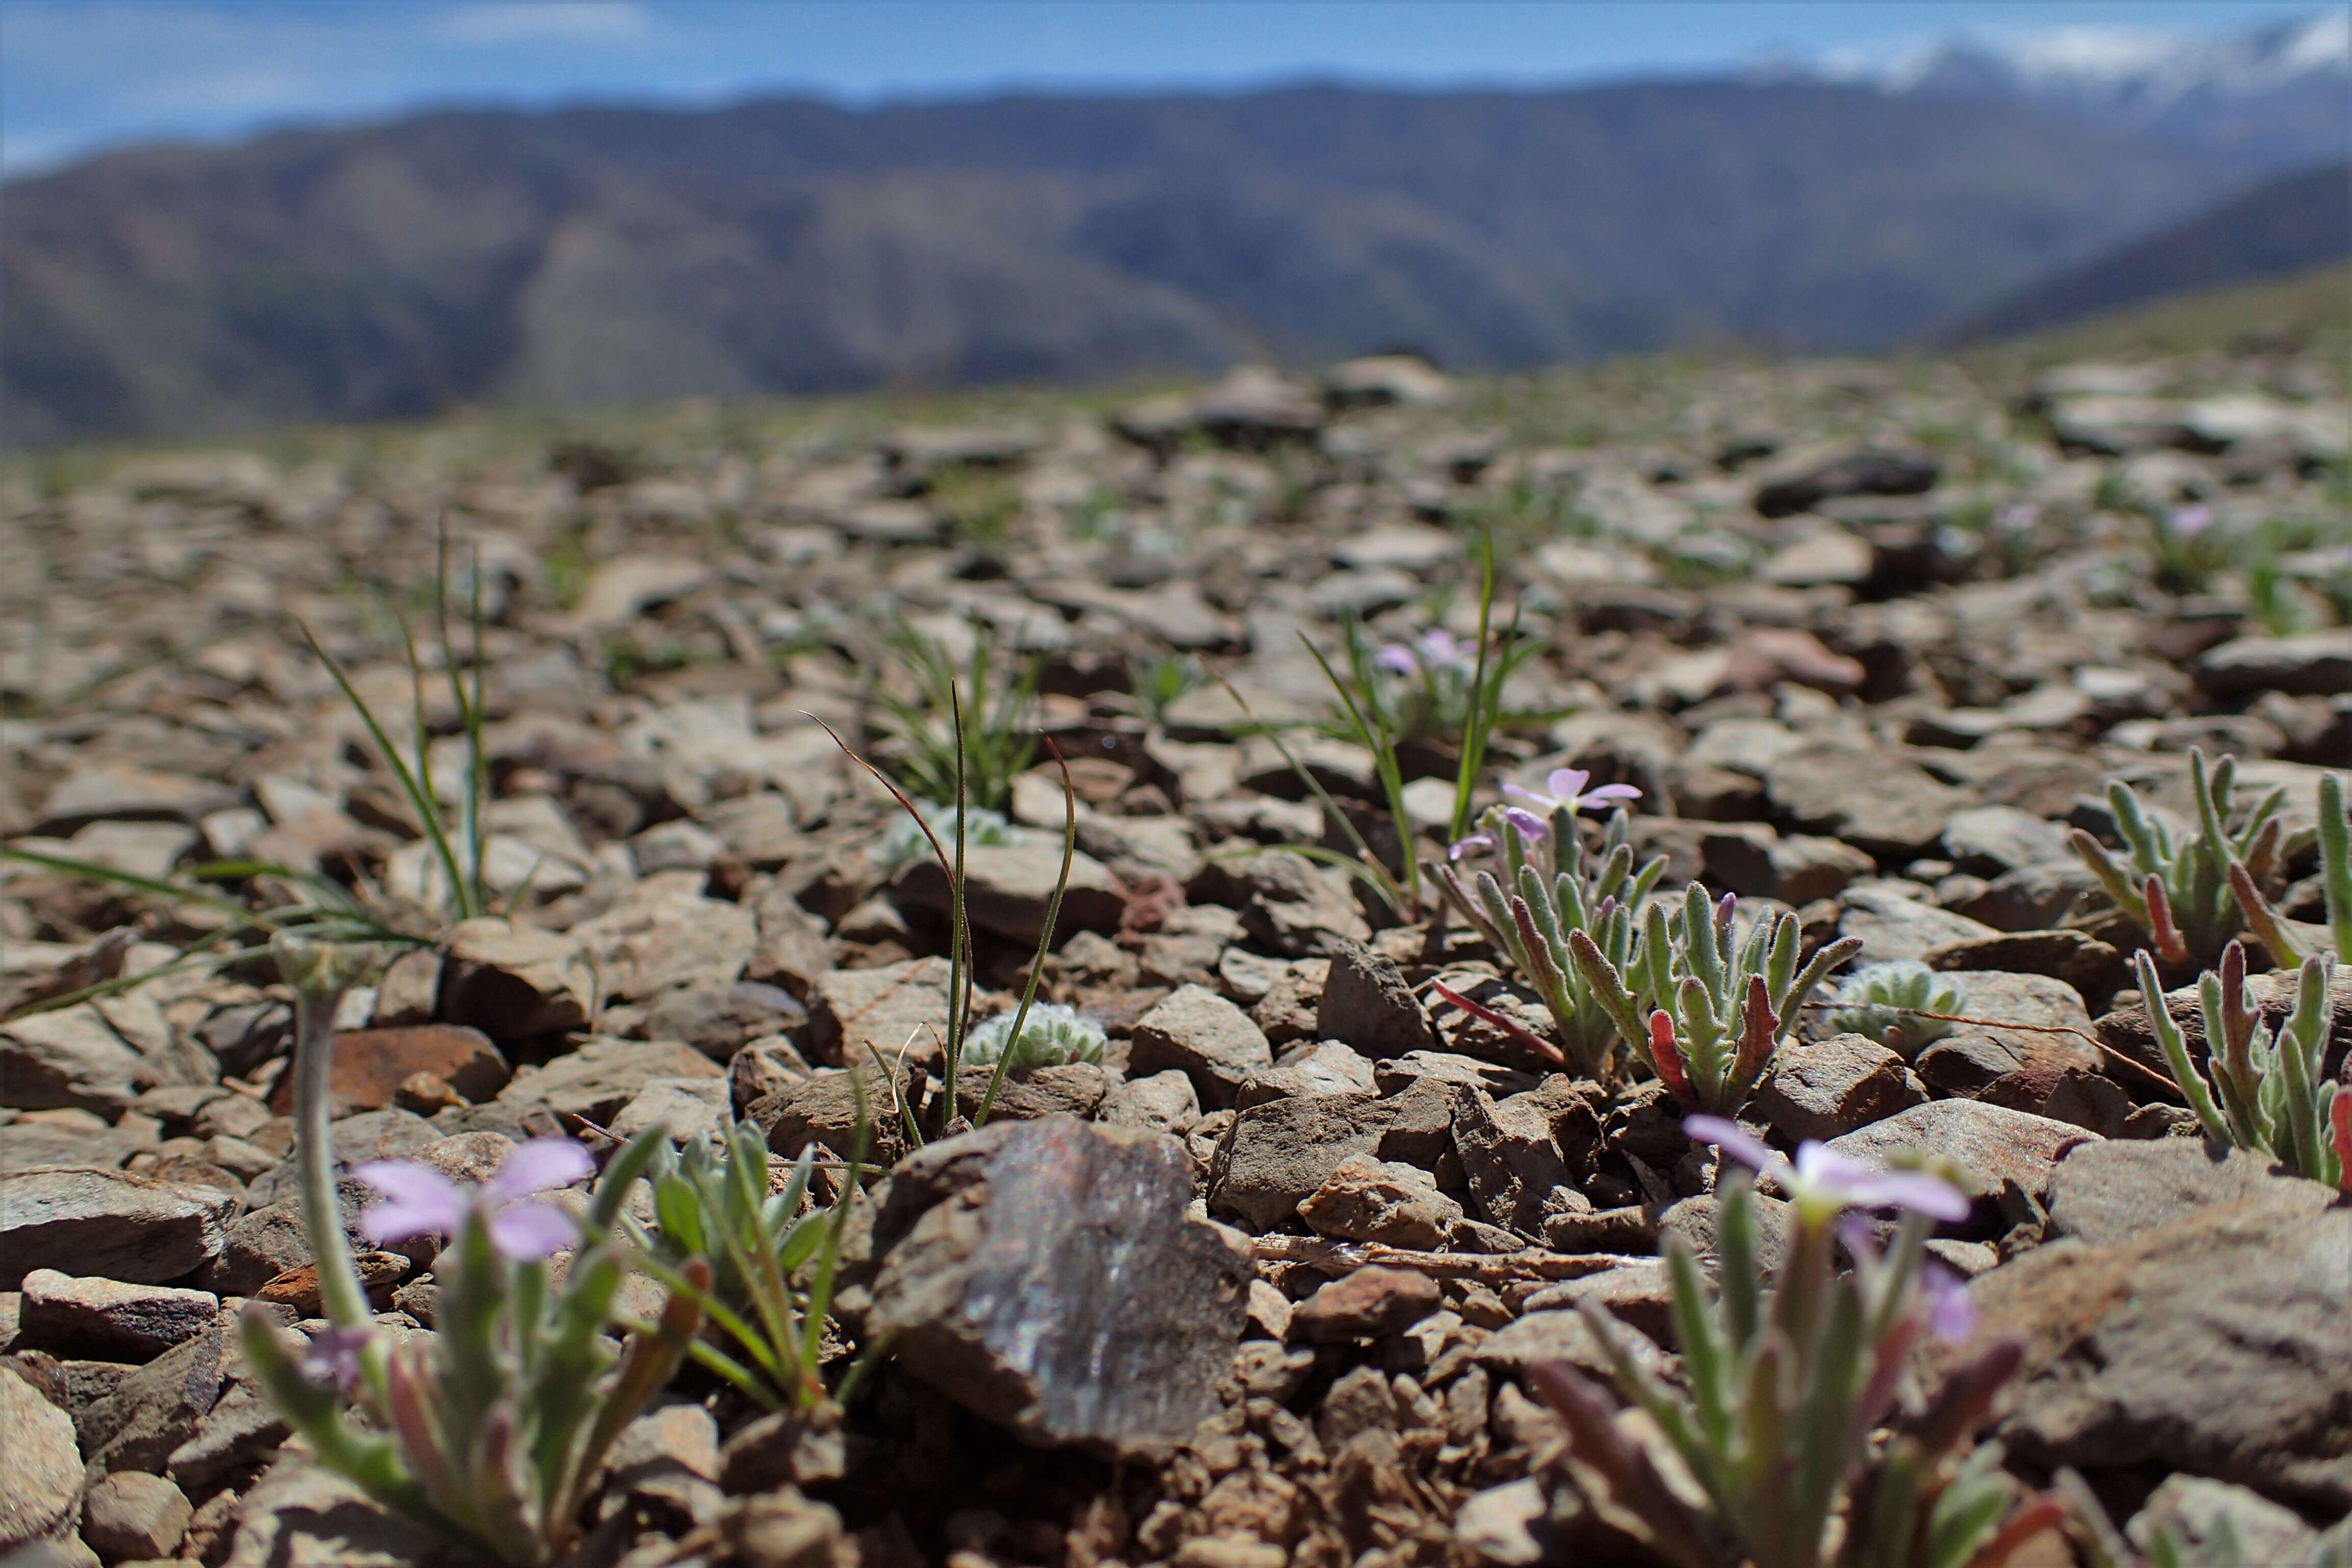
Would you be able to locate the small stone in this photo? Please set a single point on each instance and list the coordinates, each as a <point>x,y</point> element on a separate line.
<point>131,1514</point>
<point>1802,481</point>
<point>897,1008</point>
<point>1280,1152</point>
<point>2197,1511</point>
<point>1796,869</point>
<point>720,1017</point>
<point>1368,1199</point>
<point>1043,1275</point>
<point>1639,1294</point>
<point>512,982</point>
<point>2103,1193</point>
<point>1875,800</point>
<point>1159,1102</point>
<point>117,792</point>
<point>1367,1004</point>
<point>1990,839</point>
<point>1518,1170</point>
<point>154,1408</point>
<point>1070,1088</point>
<point>823,1109</point>
<point>601,1076</point>
<point>2095,969</point>
<point>106,1319</point>
<point>71,1057</point>
<point>1326,1068</point>
<point>1989,1143</point>
<point>302,1515</point>
<point>1823,1090</point>
<point>686,1109</point>
<point>1893,925</point>
<point>1009,886</point>
<point>1368,1304</point>
<point>371,1064</point>
<point>2314,664</point>
<point>1201,1034</point>
<point>106,1223</point>
<point>40,1466</point>
<point>648,944</point>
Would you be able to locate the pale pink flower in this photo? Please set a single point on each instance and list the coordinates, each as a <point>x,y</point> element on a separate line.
<point>1821,1182</point>
<point>1568,792</point>
<point>421,1201</point>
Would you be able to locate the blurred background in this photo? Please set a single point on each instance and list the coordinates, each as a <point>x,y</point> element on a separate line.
<point>224,215</point>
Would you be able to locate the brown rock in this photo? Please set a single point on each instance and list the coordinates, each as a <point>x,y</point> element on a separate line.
<point>370,1064</point>
<point>1365,1305</point>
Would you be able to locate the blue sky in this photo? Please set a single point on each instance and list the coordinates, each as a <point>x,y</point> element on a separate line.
<point>78,76</point>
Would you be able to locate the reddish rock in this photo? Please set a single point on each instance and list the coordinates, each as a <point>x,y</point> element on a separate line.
<point>370,1064</point>
<point>1364,1305</point>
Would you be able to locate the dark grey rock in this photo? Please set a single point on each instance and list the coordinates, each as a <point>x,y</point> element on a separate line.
<point>1875,800</point>
<point>1043,1275</point>
<point>2103,1193</point>
<point>107,1319</point>
<point>1367,1004</point>
<point>2214,1345</point>
<point>1279,1153</point>
<point>107,1223</point>
<point>512,981</point>
<point>2308,664</point>
<point>155,1408</point>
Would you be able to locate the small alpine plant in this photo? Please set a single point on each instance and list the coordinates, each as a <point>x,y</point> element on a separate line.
<point>2268,1092</point>
<point>1052,1036</point>
<point>1789,1388</point>
<point>2178,888</point>
<point>1892,1004</point>
<point>1705,1011</point>
<point>493,1427</point>
<point>773,1266</point>
<point>1546,893</point>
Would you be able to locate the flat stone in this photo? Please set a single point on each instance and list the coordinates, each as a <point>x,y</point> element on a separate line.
<point>118,791</point>
<point>301,1515</point>
<point>106,1319</point>
<point>371,1064</point>
<point>40,1465</point>
<point>1280,1152</point>
<point>1008,887</point>
<point>1638,1294</point>
<point>1064,1088</point>
<point>1324,1067</point>
<point>2213,1345</point>
<point>1366,1304</point>
<point>1991,1144</point>
<point>1206,1038</point>
<point>1366,1004</point>
<point>1894,925</point>
<point>604,1074</point>
<point>512,982</point>
<point>1825,1089</point>
<point>2051,1037</point>
<point>154,1408</point>
<point>1802,481</point>
<point>1515,1166</point>
<point>2095,969</point>
<point>68,1058</point>
<point>2314,664</point>
<point>1157,1102</point>
<point>720,1017</point>
<point>107,1223</point>
<point>1369,1199</point>
<point>1795,869</point>
<point>686,1109</point>
<point>1875,800</point>
<point>1043,1275</point>
<point>132,1515</point>
<point>2107,1193</point>
<point>1990,839</point>
<point>643,946</point>
<point>897,1009</point>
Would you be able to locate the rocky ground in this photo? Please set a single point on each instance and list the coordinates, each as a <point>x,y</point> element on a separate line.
<point>1868,638</point>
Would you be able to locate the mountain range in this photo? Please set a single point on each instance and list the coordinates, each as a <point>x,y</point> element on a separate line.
<point>600,256</point>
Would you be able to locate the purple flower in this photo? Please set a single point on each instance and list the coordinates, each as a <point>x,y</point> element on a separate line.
<point>1569,794</point>
<point>1461,847</point>
<point>1397,659</point>
<point>332,1355</point>
<point>421,1201</point>
<point>1823,1182</point>
<point>1434,649</point>
<point>2188,522</point>
<point>1951,1315</point>
<point>2019,518</point>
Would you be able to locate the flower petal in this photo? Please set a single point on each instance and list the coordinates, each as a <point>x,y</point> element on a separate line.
<point>1568,784</point>
<point>1611,792</point>
<point>538,1166</point>
<point>526,1232</point>
<point>1530,796</point>
<point>1396,658</point>
<point>1461,847</point>
<point>1531,828</point>
<point>1735,1141</point>
<point>419,1201</point>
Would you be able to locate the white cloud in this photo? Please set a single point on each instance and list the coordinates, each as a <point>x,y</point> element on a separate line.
<point>543,21</point>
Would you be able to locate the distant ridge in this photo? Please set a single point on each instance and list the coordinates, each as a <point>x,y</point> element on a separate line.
<point>2282,226</point>
<point>601,256</point>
